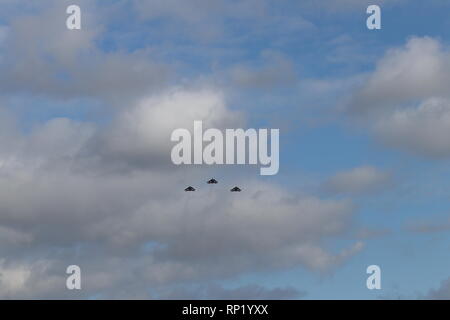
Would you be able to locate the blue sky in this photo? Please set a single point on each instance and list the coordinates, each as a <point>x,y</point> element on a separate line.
<point>86,178</point>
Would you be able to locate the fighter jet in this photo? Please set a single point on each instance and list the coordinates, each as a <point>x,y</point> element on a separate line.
<point>189,189</point>
<point>235,189</point>
<point>212,181</point>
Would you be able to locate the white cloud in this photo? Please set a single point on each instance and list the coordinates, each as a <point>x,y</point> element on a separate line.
<point>140,135</point>
<point>24,280</point>
<point>13,280</point>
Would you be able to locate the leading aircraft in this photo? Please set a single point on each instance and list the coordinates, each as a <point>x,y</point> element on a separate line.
<point>212,181</point>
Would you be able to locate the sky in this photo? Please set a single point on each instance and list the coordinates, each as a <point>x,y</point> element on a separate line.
<point>86,176</point>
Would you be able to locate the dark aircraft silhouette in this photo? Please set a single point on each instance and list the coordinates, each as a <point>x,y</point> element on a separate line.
<point>212,181</point>
<point>235,189</point>
<point>189,189</point>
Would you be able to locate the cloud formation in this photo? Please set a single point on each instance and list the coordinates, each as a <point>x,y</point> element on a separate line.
<point>404,102</point>
<point>41,56</point>
<point>63,186</point>
<point>419,70</point>
<point>422,130</point>
<point>358,180</point>
<point>104,195</point>
<point>276,71</point>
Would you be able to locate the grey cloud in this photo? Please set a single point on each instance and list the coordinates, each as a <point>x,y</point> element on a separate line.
<point>428,226</point>
<point>358,180</point>
<point>369,233</point>
<point>10,236</point>
<point>65,197</point>
<point>419,70</point>
<point>42,57</point>
<point>404,103</point>
<point>276,71</point>
<point>137,229</point>
<point>422,130</point>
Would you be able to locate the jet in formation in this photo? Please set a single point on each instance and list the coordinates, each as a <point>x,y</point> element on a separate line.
<point>213,181</point>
